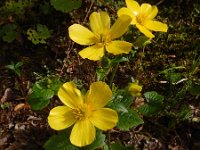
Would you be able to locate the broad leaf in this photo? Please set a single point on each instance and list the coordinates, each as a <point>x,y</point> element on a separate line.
<point>129,120</point>
<point>66,5</point>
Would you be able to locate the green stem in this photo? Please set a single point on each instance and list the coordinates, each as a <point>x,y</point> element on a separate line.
<point>113,74</point>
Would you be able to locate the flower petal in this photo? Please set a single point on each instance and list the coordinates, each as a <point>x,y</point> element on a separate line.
<point>70,95</point>
<point>118,47</point>
<point>61,117</point>
<point>96,22</point>
<point>145,31</point>
<point>145,9</point>
<point>105,21</point>
<point>94,52</point>
<point>81,35</point>
<point>99,22</point>
<point>133,6</point>
<point>156,26</point>
<point>153,12</point>
<point>83,133</point>
<point>120,26</point>
<point>98,95</point>
<point>126,11</point>
<point>104,118</point>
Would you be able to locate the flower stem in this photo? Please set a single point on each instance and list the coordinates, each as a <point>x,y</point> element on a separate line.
<point>113,74</point>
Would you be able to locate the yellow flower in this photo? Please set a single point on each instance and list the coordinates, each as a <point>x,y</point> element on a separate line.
<point>135,89</point>
<point>85,112</point>
<point>142,16</point>
<point>101,36</point>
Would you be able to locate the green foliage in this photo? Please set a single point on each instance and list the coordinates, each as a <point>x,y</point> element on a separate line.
<point>66,6</point>
<point>128,118</point>
<point>42,92</point>
<point>16,68</point>
<point>141,42</point>
<point>194,89</point>
<point>8,32</point>
<point>16,7</point>
<point>5,105</point>
<point>99,141</point>
<point>40,35</point>
<point>154,103</point>
<point>107,65</point>
<point>62,142</point>
<point>172,75</point>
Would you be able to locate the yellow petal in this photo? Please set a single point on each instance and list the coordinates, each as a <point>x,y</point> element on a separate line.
<point>133,6</point>
<point>105,21</point>
<point>156,26</point>
<point>81,35</point>
<point>126,11</point>
<point>104,118</point>
<point>135,89</point>
<point>96,23</point>
<point>99,22</point>
<point>145,9</point>
<point>120,26</point>
<point>98,95</point>
<point>61,117</point>
<point>118,47</point>
<point>94,52</point>
<point>83,133</point>
<point>145,31</point>
<point>153,12</point>
<point>70,95</point>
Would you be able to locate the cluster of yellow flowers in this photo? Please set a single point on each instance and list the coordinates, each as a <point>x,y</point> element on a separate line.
<point>87,111</point>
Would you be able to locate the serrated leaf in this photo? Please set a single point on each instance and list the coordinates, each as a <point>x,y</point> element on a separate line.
<point>129,120</point>
<point>60,142</point>
<point>99,141</point>
<point>66,5</point>
<point>153,97</point>
<point>148,110</point>
<point>121,97</point>
<point>117,60</point>
<point>40,98</point>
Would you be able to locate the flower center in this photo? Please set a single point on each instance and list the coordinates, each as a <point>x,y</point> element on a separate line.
<point>82,112</point>
<point>104,38</point>
<point>141,18</point>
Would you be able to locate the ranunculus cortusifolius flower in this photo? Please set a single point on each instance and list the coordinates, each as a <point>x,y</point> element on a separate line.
<point>143,17</point>
<point>101,37</point>
<point>84,112</point>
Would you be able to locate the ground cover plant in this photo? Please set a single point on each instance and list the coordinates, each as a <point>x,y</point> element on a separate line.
<point>105,74</point>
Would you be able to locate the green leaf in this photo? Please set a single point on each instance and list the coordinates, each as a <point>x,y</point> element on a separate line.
<point>99,141</point>
<point>142,41</point>
<point>101,74</point>
<point>66,5</point>
<point>153,97</point>
<point>40,35</point>
<point>194,90</point>
<point>148,110</point>
<point>39,99</point>
<point>121,97</point>
<point>129,120</point>
<point>9,33</point>
<point>117,60</point>
<point>60,142</point>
